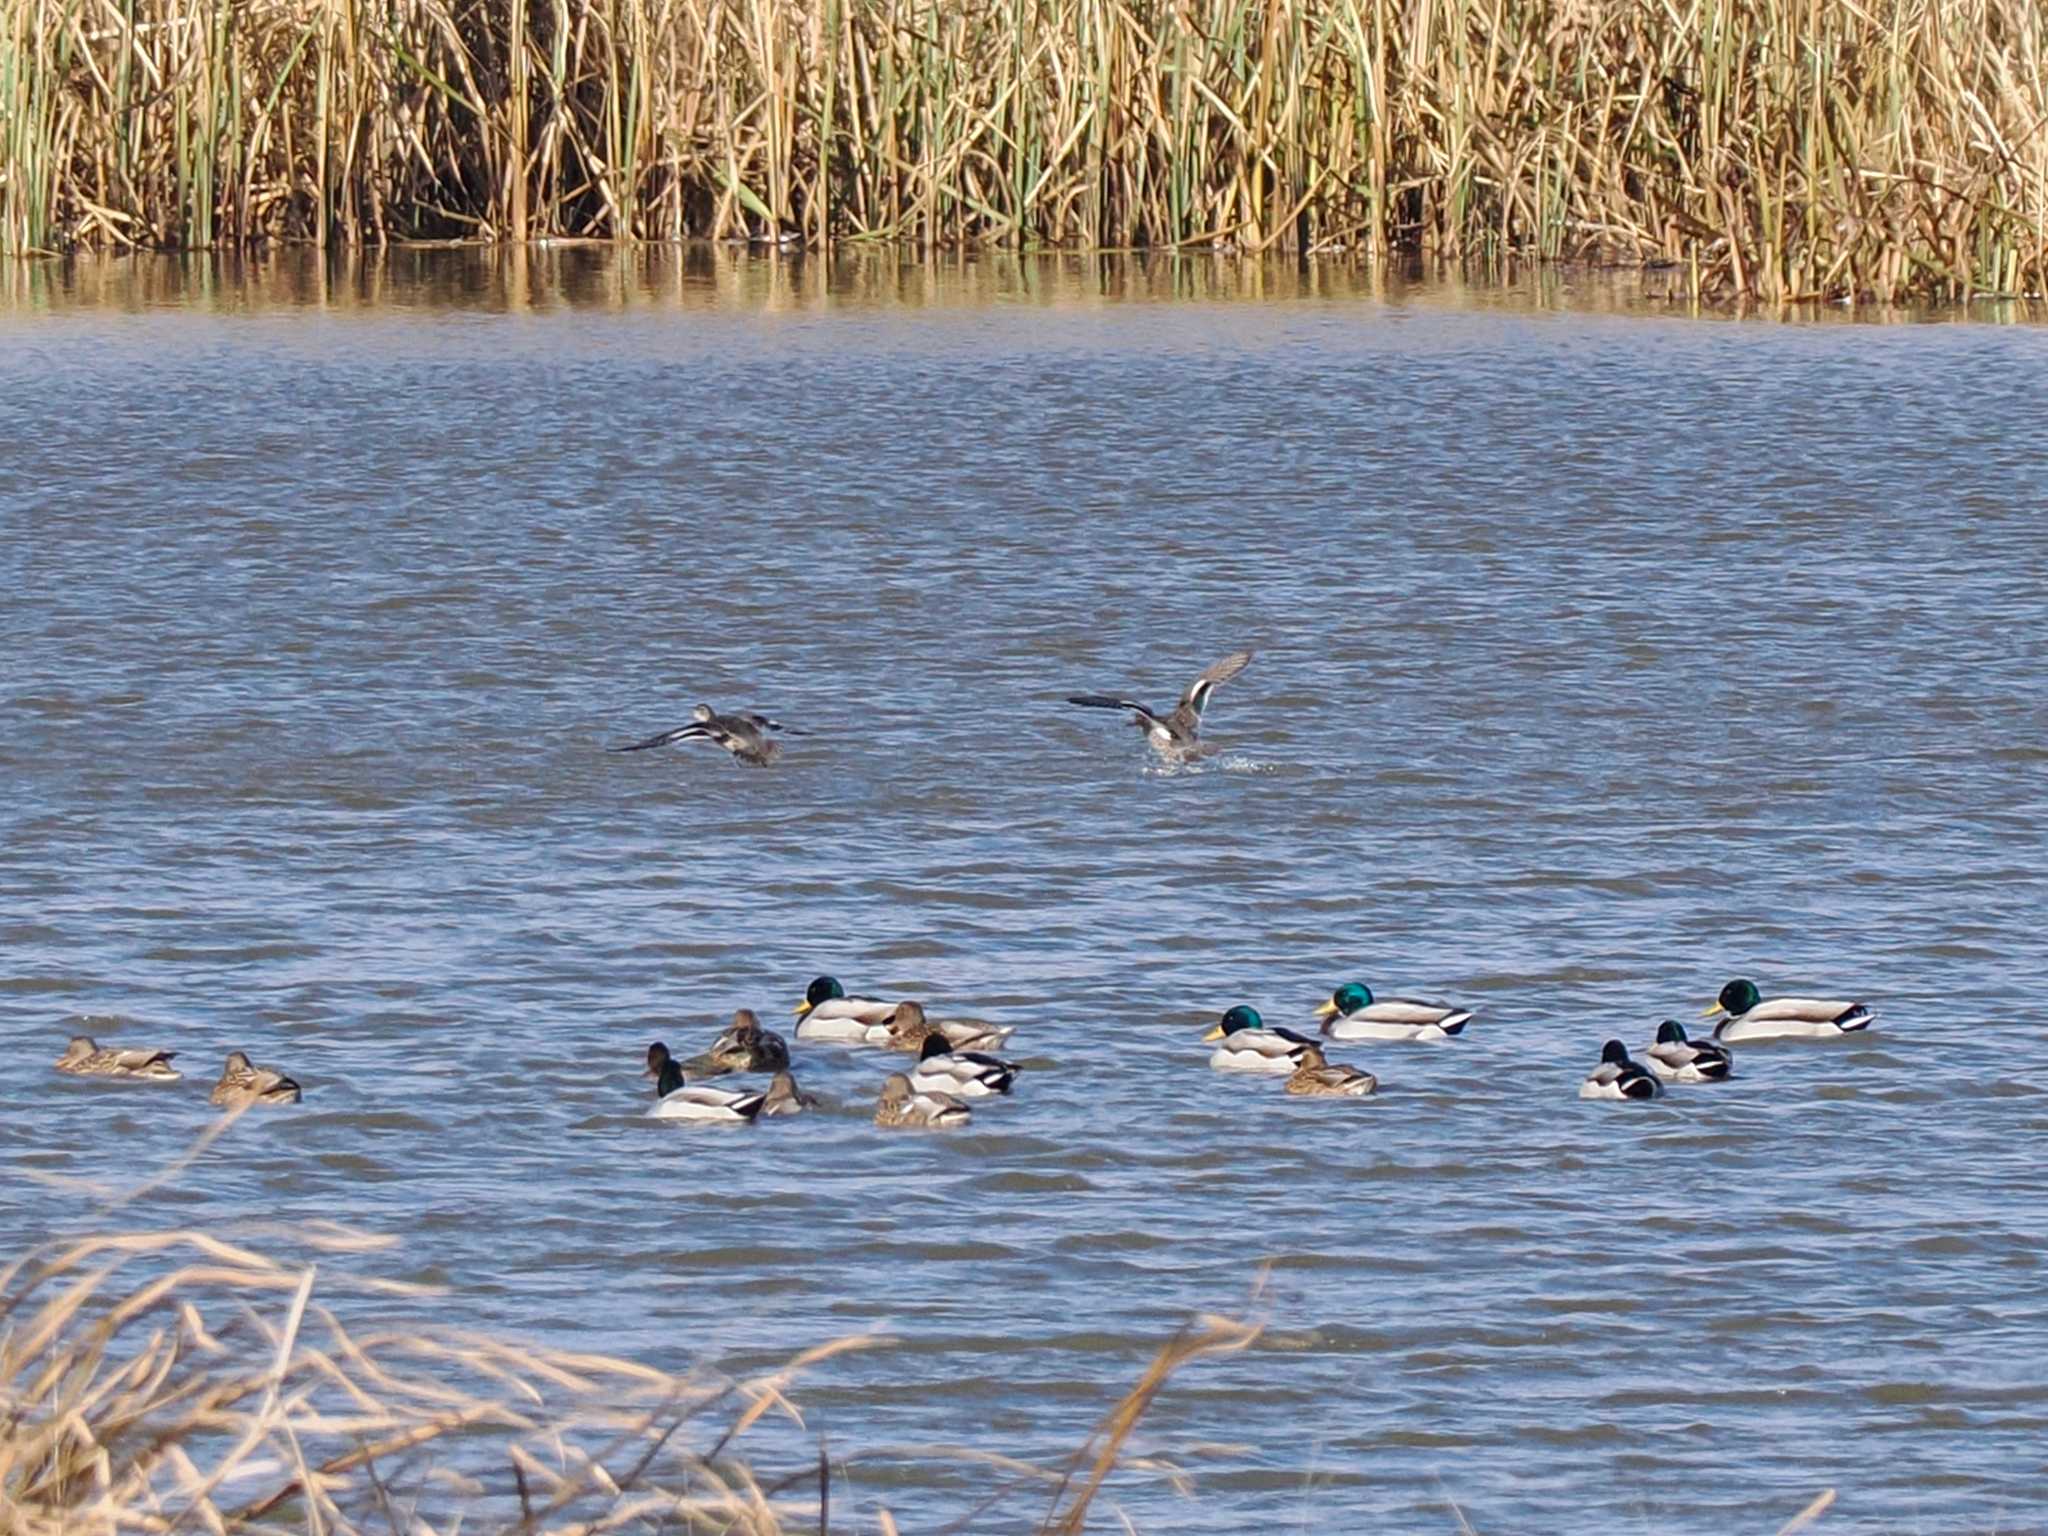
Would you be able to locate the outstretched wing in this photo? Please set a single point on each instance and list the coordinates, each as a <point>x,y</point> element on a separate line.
<point>763,723</point>
<point>1223,671</point>
<point>1104,701</point>
<point>692,732</point>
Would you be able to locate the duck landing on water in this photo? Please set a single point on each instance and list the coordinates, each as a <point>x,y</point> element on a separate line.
<point>1175,734</point>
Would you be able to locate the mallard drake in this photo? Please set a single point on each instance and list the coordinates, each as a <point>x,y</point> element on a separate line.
<point>902,1104</point>
<point>1175,734</point>
<point>678,1099</point>
<point>785,1098</point>
<point>1318,1077</point>
<point>744,735</point>
<point>1353,1013</point>
<point>907,1029</point>
<point>1617,1077</point>
<point>1679,1060</point>
<point>747,1047</point>
<point>243,1082</point>
<point>1249,1046</point>
<point>963,1074</point>
<point>1752,1016</point>
<point>827,1013</point>
<point>87,1058</point>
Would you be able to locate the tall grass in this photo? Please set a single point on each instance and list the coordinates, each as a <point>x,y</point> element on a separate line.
<point>1780,149</point>
<point>188,1381</point>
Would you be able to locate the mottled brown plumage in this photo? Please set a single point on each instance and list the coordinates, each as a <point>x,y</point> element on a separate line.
<point>85,1057</point>
<point>747,1047</point>
<point>785,1098</point>
<point>901,1105</point>
<point>1318,1077</point>
<point>243,1082</point>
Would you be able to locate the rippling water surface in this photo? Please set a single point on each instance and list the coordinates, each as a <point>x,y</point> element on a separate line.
<point>1602,656</point>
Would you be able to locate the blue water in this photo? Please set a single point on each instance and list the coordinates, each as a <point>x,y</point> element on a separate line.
<point>1602,655</point>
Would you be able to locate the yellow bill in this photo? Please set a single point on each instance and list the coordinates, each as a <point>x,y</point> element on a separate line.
<point>1326,1010</point>
<point>803,1007</point>
<point>1215,1032</point>
<point>1708,1013</point>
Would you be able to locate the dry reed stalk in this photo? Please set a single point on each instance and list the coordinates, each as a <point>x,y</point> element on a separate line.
<point>1782,149</point>
<point>171,1382</point>
<point>125,1407</point>
<point>1788,149</point>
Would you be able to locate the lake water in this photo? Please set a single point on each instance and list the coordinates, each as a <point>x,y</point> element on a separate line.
<point>1604,654</point>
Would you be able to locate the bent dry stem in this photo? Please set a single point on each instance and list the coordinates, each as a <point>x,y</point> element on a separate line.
<point>159,1381</point>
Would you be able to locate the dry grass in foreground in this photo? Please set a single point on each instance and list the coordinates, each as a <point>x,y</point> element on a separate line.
<point>178,1381</point>
<point>1773,149</point>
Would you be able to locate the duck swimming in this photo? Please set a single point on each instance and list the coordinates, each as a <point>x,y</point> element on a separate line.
<point>907,1029</point>
<point>963,1074</point>
<point>827,1013</point>
<point>1250,1046</point>
<point>1175,734</point>
<point>1679,1060</point>
<point>747,1047</point>
<point>903,1105</point>
<point>85,1057</point>
<point>744,735</point>
<point>1353,1013</point>
<point>679,1099</point>
<point>1752,1016</point>
<point>243,1082</point>
<point>1318,1077</point>
<point>785,1098</point>
<point>1617,1077</point>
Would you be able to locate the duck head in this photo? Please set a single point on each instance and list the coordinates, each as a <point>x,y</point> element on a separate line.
<point>1239,1018</point>
<point>907,1023</point>
<point>666,1071</point>
<point>81,1046</point>
<point>703,714</point>
<point>745,1023</point>
<point>824,990</point>
<point>895,1089</point>
<point>1614,1054</point>
<point>1346,1000</point>
<point>935,1044</point>
<point>238,1062</point>
<point>1671,1032</point>
<point>1737,998</point>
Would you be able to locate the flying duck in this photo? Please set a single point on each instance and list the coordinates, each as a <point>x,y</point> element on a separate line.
<point>744,735</point>
<point>1175,734</point>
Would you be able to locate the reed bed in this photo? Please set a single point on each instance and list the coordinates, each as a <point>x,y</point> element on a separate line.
<point>1778,149</point>
<point>1775,149</point>
<point>190,1381</point>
